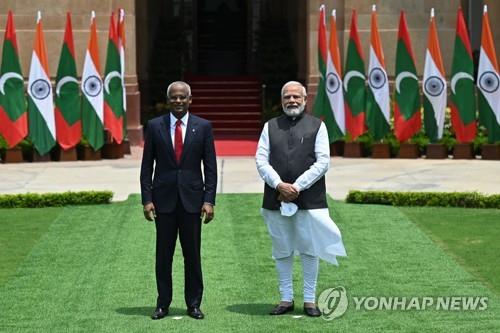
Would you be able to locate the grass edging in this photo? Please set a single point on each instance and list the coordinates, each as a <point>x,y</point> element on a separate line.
<point>432,199</point>
<point>36,200</point>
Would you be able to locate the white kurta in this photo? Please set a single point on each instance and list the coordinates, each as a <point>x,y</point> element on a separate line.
<point>310,231</point>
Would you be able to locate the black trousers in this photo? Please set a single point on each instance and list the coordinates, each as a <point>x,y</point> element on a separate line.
<point>188,226</point>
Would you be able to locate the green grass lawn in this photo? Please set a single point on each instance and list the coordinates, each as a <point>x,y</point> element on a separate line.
<point>91,269</point>
<point>469,235</point>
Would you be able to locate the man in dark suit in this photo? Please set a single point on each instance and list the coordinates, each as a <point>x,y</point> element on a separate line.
<point>177,197</point>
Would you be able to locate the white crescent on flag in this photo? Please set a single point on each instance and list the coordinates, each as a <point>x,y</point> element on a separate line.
<point>404,75</point>
<point>459,76</point>
<point>108,78</point>
<point>63,81</point>
<point>7,76</point>
<point>349,75</point>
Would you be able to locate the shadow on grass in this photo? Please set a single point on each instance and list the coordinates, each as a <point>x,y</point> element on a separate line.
<point>147,311</point>
<point>136,311</point>
<point>251,309</point>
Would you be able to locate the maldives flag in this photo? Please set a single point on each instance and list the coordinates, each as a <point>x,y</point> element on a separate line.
<point>407,117</point>
<point>488,82</point>
<point>434,85</point>
<point>462,103</point>
<point>122,43</point>
<point>13,115</point>
<point>354,83</point>
<point>322,104</point>
<point>377,100</point>
<point>113,89</point>
<point>42,125</point>
<point>92,101</point>
<point>68,103</point>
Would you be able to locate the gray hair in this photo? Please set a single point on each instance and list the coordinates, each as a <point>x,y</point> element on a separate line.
<point>294,83</point>
<point>180,83</point>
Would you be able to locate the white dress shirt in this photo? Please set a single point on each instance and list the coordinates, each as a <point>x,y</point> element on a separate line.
<point>173,121</point>
<point>310,176</point>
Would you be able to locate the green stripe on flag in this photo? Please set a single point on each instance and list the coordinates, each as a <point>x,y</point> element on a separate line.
<point>488,119</point>
<point>93,129</point>
<point>377,124</point>
<point>323,110</point>
<point>39,133</point>
<point>431,128</point>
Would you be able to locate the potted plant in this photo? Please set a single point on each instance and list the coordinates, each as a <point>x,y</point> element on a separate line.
<point>85,152</point>
<point>10,155</point>
<point>356,148</point>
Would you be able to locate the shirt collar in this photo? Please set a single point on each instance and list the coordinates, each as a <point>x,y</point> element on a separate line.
<point>184,119</point>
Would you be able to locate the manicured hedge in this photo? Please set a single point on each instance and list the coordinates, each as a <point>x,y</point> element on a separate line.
<point>35,200</point>
<point>442,199</point>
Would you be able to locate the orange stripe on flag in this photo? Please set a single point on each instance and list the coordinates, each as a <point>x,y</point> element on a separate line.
<point>487,41</point>
<point>334,48</point>
<point>93,47</point>
<point>322,33</point>
<point>39,47</point>
<point>375,39</point>
<point>433,46</point>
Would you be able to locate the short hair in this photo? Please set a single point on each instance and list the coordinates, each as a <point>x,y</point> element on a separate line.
<point>294,83</point>
<point>181,83</point>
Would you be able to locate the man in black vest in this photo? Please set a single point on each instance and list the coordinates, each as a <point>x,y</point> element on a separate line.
<point>292,158</point>
<point>177,197</point>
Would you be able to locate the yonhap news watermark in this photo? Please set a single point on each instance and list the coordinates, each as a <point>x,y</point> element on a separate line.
<point>334,302</point>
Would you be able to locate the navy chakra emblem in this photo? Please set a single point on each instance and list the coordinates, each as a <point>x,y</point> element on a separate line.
<point>40,89</point>
<point>92,86</point>
<point>434,86</point>
<point>332,83</point>
<point>489,82</point>
<point>377,78</point>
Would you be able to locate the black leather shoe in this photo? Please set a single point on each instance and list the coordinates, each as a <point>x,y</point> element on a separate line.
<point>281,309</point>
<point>195,313</point>
<point>312,312</point>
<point>159,313</point>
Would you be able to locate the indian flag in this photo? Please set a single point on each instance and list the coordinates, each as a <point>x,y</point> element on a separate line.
<point>92,101</point>
<point>323,103</point>
<point>42,125</point>
<point>13,115</point>
<point>378,99</point>
<point>407,117</point>
<point>488,82</point>
<point>462,103</point>
<point>434,84</point>
<point>113,90</point>
<point>354,83</point>
<point>122,43</point>
<point>68,102</point>
<point>334,79</point>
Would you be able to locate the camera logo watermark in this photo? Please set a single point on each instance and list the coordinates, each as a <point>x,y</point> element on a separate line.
<point>333,303</point>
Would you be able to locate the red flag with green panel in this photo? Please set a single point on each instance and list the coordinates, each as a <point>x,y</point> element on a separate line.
<point>113,90</point>
<point>68,101</point>
<point>407,116</point>
<point>354,83</point>
<point>13,112</point>
<point>462,98</point>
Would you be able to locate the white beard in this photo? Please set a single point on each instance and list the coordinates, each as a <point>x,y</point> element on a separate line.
<point>293,111</point>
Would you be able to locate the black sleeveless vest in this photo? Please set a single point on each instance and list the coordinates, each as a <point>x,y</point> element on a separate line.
<point>291,153</point>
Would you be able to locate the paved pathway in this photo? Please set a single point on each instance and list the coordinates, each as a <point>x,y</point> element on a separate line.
<point>238,175</point>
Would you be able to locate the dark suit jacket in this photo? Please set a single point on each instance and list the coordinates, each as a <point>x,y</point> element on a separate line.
<point>183,181</point>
